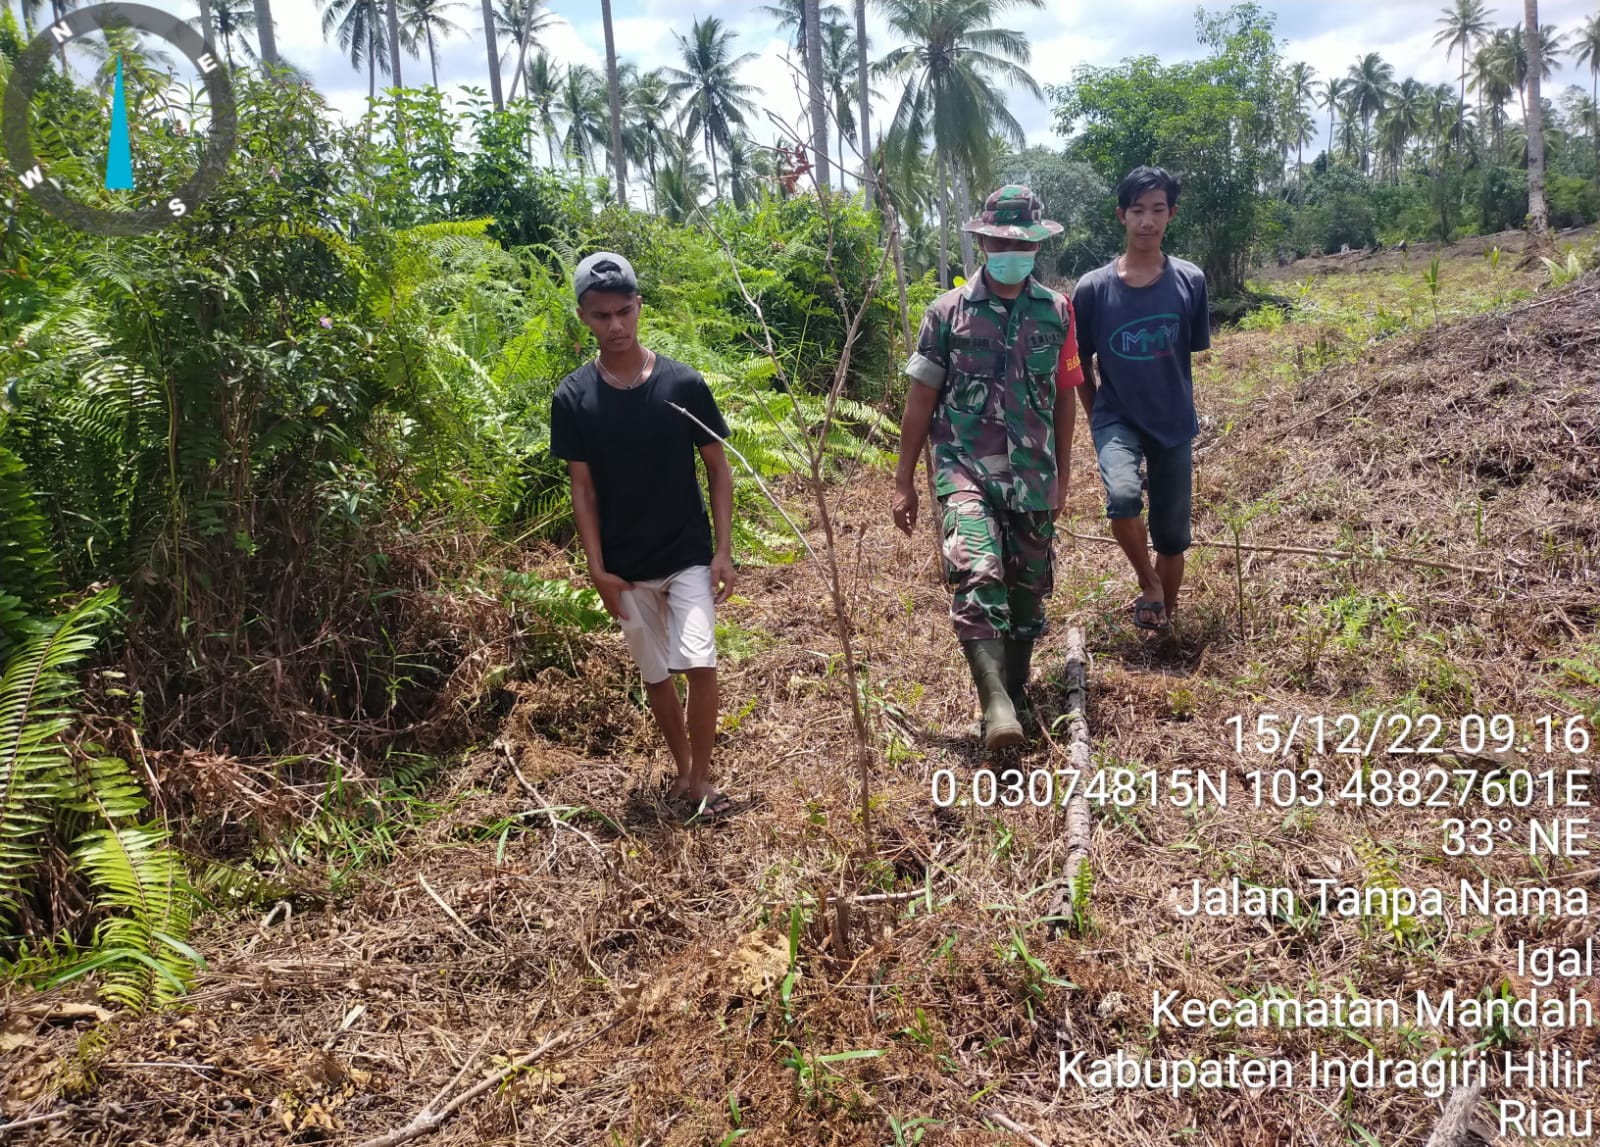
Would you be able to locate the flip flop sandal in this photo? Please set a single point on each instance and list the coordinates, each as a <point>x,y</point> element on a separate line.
<point>1148,610</point>
<point>716,807</point>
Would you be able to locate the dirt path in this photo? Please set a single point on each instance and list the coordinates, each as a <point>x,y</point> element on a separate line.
<point>546,895</point>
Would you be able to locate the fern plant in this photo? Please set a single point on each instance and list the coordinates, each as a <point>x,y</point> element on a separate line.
<point>96,803</point>
<point>28,575</point>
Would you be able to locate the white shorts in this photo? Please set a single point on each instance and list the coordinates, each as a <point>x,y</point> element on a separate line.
<point>671,624</point>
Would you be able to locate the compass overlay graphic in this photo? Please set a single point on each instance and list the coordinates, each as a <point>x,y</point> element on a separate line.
<point>166,206</point>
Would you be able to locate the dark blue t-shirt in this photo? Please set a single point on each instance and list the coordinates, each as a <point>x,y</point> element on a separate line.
<point>1141,339</point>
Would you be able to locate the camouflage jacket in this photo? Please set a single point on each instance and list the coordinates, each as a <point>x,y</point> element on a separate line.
<point>994,427</point>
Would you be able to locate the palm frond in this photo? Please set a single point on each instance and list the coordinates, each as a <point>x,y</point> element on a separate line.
<point>36,694</point>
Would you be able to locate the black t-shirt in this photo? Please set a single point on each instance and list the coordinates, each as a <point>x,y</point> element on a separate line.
<point>641,455</point>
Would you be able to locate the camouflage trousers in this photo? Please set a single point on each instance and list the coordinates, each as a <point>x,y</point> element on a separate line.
<point>1002,565</point>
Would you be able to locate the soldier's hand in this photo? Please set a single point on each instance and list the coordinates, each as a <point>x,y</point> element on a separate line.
<point>905,507</point>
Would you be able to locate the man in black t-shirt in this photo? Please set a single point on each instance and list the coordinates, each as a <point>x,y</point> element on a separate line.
<point>628,426</point>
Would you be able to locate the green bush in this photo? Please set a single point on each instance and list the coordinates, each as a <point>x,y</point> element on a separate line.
<point>1572,201</point>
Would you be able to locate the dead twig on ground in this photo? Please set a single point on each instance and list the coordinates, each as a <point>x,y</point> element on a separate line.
<point>1014,1127</point>
<point>37,1120</point>
<point>1306,551</point>
<point>448,911</point>
<point>1455,1128</point>
<point>431,1118</point>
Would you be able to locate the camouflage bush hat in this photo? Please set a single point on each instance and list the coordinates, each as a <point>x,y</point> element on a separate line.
<point>1014,212</point>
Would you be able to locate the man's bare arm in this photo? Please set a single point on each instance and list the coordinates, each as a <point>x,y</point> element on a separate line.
<point>914,424</point>
<point>586,511</point>
<point>719,477</point>
<point>1086,389</point>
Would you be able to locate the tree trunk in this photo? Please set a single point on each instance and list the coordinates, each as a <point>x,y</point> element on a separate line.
<point>819,110</point>
<point>264,32</point>
<point>716,178</point>
<point>1533,121</point>
<point>393,7</point>
<point>208,26</point>
<point>433,60</point>
<point>518,76</point>
<point>842,187</point>
<point>864,97</point>
<point>618,160</point>
<point>944,222</point>
<point>964,200</point>
<point>494,56</point>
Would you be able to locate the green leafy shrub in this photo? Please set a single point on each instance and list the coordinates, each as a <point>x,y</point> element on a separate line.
<point>51,790</point>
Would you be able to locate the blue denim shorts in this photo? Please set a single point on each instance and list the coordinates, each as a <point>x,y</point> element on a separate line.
<point>1120,448</point>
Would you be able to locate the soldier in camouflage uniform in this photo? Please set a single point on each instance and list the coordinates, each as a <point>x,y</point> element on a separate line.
<point>991,359</point>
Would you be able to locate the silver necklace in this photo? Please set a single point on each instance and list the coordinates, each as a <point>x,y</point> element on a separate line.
<point>632,382</point>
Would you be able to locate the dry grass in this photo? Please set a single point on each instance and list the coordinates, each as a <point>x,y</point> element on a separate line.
<point>576,906</point>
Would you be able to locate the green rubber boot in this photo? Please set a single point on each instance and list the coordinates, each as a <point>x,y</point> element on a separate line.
<point>987,660</point>
<point>1019,663</point>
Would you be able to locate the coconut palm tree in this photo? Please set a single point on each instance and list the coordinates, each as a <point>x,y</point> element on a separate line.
<point>951,68</point>
<point>1538,41</point>
<point>425,20</point>
<point>791,18</point>
<point>744,182</point>
<point>838,81</point>
<point>1401,121</point>
<point>714,101</point>
<point>266,34</point>
<point>681,183</point>
<point>544,93</point>
<point>1585,52</point>
<point>391,10</point>
<point>146,70</point>
<point>619,158</point>
<point>816,89</point>
<point>1493,71</point>
<point>1300,128</point>
<point>356,25</point>
<point>1516,48</point>
<point>233,20</point>
<point>1461,26</point>
<point>1334,90</point>
<point>864,97</point>
<point>1353,138</point>
<point>648,107</point>
<point>494,54</point>
<point>1371,79</point>
<point>583,104</point>
<point>521,21</point>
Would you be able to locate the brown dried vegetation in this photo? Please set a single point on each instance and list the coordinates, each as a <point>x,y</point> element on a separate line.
<point>551,893</point>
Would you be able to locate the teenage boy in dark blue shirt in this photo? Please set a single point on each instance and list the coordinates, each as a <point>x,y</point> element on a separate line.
<point>1140,317</point>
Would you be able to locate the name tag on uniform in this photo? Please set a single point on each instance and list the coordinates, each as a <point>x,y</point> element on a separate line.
<point>971,342</point>
<point>1042,340</point>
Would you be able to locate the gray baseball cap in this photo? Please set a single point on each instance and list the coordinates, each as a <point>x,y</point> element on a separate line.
<point>606,271</point>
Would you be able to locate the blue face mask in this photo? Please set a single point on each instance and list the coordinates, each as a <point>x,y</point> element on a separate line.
<point>1010,267</point>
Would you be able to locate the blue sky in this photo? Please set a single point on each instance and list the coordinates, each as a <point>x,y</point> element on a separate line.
<point>1329,34</point>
